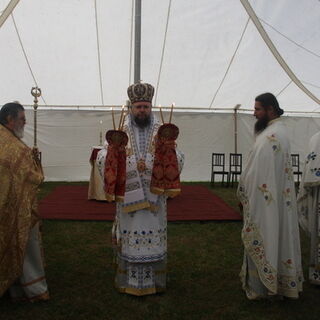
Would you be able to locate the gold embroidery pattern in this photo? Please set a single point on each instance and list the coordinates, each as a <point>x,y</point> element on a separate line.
<point>20,178</point>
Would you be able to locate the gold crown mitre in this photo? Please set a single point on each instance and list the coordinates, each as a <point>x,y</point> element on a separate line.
<point>140,92</point>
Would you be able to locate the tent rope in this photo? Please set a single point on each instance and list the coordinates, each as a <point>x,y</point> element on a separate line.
<point>230,63</point>
<point>98,49</point>
<point>25,55</point>
<point>296,43</point>
<point>163,51</point>
<point>275,52</point>
<point>311,84</point>
<point>284,88</point>
<point>131,41</point>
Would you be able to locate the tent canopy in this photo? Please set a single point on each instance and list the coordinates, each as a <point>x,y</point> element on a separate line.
<point>211,57</point>
<point>210,54</point>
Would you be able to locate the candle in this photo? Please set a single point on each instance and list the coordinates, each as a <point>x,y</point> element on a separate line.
<point>172,105</point>
<point>120,122</point>
<point>114,123</point>
<point>161,114</point>
<point>124,117</point>
<point>100,132</point>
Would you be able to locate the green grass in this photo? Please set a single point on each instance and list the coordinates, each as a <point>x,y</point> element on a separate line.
<point>203,283</point>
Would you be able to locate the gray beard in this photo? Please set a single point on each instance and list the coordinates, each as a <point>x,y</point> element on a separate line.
<point>19,132</point>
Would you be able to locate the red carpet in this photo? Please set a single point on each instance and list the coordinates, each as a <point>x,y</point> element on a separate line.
<point>195,203</point>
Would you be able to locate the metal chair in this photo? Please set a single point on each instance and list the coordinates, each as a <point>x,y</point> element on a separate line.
<point>295,161</point>
<point>235,167</point>
<point>218,167</point>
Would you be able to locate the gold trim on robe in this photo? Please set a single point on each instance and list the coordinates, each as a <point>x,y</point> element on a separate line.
<point>21,174</point>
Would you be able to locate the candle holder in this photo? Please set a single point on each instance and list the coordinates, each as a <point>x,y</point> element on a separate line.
<point>36,93</point>
<point>100,134</point>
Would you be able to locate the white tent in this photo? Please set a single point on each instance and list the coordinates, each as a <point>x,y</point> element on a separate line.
<point>204,55</point>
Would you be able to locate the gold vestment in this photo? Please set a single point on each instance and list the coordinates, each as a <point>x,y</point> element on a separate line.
<point>20,174</point>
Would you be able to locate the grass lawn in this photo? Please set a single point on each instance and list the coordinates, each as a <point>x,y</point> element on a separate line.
<point>203,283</point>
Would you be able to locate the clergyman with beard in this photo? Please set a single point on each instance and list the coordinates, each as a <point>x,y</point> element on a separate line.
<point>140,226</point>
<point>21,265</point>
<point>270,234</point>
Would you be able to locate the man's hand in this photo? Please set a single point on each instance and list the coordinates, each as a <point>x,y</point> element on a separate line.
<point>36,153</point>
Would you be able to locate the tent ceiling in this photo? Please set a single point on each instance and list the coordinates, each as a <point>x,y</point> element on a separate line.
<point>59,38</point>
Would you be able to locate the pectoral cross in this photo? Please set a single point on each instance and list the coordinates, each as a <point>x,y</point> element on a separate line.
<point>141,165</point>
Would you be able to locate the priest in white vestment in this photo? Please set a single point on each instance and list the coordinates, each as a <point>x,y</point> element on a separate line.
<point>309,205</point>
<point>270,234</point>
<point>140,226</point>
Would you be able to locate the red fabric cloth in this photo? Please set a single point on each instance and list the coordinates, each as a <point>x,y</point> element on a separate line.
<point>110,172</point>
<point>196,203</point>
<point>115,165</point>
<point>165,173</point>
<point>94,154</point>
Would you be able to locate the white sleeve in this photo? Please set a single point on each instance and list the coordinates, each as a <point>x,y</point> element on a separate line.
<point>180,158</point>
<point>101,160</point>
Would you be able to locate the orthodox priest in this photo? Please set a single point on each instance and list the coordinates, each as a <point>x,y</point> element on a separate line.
<point>270,234</point>
<point>21,264</point>
<point>140,226</point>
<point>309,205</point>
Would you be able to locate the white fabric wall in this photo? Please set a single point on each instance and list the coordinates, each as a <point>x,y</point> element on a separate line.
<point>65,139</point>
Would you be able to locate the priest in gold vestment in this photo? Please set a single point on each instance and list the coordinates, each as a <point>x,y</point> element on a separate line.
<point>21,260</point>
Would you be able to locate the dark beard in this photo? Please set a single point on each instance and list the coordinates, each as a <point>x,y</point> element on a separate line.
<point>260,125</point>
<point>142,123</point>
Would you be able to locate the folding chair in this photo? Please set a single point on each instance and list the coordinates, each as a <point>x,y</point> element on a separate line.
<point>235,167</point>
<point>295,161</point>
<point>218,167</point>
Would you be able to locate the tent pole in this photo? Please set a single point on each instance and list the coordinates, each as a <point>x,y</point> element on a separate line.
<point>137,41</point>
<point>7,11</point>
<point>236,108</point>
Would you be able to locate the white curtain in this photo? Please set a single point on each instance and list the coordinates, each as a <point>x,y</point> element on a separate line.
<point>66,137</point>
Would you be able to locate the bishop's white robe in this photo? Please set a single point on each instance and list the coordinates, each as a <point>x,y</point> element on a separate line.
<point>309,205</point>
<point>270,234</point>
<point>140,226</point>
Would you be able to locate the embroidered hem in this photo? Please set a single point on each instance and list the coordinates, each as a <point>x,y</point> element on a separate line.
<point>110,197</point>
<point>136,206</point>
<point>140,278</point>
<point>141,292</point>
<point>276,284</point>
<point>158,191</point>
<point>172,192</point>
<point>41,297</point>
<point>119,198</point>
